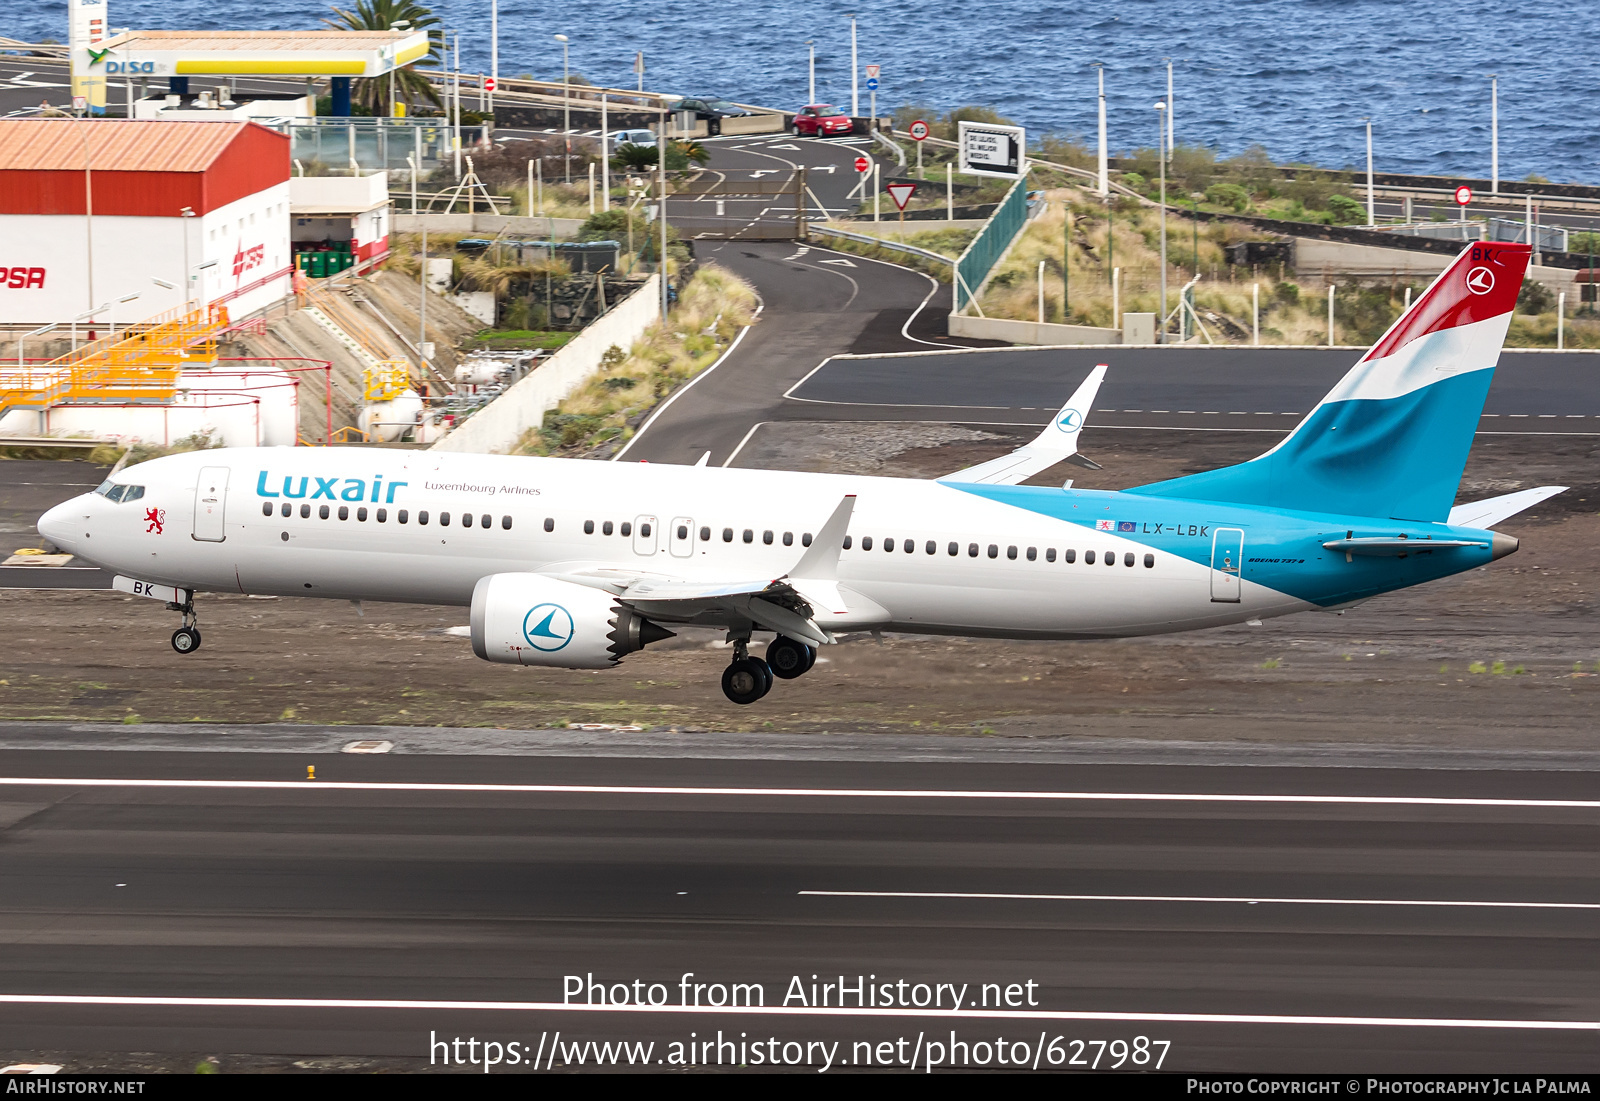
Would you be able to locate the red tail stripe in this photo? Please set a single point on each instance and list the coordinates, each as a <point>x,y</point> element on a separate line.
<point>1495,270</point>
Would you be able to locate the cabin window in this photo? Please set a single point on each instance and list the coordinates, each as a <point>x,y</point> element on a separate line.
<point>805,540</point>
<point>486,521</point>
<point>549,523</point>
<point>287,508</point>
<point>588,527</point>
<point>1011,553</point>
<point>788,538</point>
<point>1149,561</point>
<point>505,521</point>
<point>683,531</point>
<point>422,518</point>
<point>403,515</point>
<point>994,551</point>
<point>1069,556</point>
<point>383,516</point>
<point>866,542</point>
<point>644,530</point>
<point>607,528</point>
<point>1049,554</point>
<point>323,512</point>
<point>972,550</point>
<point>444,519</point>
<point>766,537</point>
<point>847,541</point>
<point>727,535</point>
<point>1088,558</point>
<point>705,535</point>
<point>266,509</point>
<point>361,513</point>
<point>305,511</point>
<point>932,547</point>
<point>954,549</point>
<point>1111,558</point>
<point>1127,559</point>
<point>1033,554</point>
<point>749,536</point>
<point>344,512</point>
<point>626,528</point>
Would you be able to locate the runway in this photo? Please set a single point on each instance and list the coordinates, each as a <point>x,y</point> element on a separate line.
<point>1267,917</point>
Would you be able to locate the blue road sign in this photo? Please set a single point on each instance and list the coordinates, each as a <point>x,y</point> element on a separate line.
<point>872,84</point>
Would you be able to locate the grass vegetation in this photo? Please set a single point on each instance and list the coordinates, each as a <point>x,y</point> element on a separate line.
<point>600,416</point>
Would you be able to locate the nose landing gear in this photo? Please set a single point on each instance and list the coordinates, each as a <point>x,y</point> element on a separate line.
<point>186,639</point>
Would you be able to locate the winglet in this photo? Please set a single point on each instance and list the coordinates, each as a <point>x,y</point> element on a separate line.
<point>1487,513</point>
<point>1058,442</point>
<point>820,562</point>
<point>704,459</point>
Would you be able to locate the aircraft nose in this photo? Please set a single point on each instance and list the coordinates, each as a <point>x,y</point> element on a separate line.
<point>57,525</point>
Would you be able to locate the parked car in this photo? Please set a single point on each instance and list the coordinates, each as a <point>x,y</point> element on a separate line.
<point>711,111</point>
<point>632,137</point>
<point>821,120</point>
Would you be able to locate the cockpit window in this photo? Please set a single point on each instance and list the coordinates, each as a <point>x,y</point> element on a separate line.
<point>121,494</point>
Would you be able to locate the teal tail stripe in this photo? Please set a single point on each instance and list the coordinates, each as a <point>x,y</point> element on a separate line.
<point>1399,457</point>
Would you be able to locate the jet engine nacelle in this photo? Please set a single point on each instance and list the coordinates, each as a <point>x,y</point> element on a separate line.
<point>531,619</point>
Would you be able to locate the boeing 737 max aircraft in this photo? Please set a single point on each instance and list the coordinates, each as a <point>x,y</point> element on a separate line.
<point>576,563</point>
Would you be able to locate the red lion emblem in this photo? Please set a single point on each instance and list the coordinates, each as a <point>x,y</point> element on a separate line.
<point>153,518</point>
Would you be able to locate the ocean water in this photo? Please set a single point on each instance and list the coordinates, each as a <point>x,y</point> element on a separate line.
<point>1296,76</point>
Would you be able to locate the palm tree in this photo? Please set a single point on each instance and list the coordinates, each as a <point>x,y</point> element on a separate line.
<point>410,85</point>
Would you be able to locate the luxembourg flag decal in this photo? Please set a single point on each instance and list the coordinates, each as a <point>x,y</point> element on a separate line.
<point>1105,525</point>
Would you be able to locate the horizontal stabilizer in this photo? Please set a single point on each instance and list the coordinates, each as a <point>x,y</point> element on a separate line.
<point>1487,513</point>
<point>1058,442</point>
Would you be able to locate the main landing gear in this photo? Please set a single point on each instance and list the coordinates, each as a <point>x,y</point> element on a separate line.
<point>747,679</point>
<point>186,639</point>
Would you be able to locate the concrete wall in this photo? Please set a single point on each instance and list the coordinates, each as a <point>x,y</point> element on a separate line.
<point>497,427</point>
<point>1324,258</point>
<point>337,194</point>
<point>1030,332</point>
<point>891,226</point>
<point>489,224</point>
<point>753,124</point>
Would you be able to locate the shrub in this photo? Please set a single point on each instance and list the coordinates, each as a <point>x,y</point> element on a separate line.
<point>1227,194</point>
<point>1535,298</point>
<point>1346,210</point>
<point>1287,293</point>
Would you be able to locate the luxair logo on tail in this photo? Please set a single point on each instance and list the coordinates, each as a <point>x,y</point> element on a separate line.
<point>295,486</point>
<point>1391,439</point>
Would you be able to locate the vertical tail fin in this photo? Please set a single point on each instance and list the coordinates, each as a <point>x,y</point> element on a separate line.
<point>1391,439</point>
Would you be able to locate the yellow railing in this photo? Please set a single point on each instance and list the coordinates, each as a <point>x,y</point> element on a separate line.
<point>349,434</point>
<point>388,380</point>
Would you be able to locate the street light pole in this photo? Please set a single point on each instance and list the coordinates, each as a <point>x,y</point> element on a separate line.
<point>1372,205</point>
<point>456,89</point>
<point>811,82</point>
<point>1170,146</point>
<point>1103,164</point>
<point>566,106</point>
<point>1161,145</point>
<point>494,47</point>
<point>855,94</point>
<point>1494,134</point>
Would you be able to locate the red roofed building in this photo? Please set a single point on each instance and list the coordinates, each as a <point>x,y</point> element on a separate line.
<point>94,210</point>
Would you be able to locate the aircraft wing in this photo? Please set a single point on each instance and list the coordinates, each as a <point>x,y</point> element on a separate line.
<point>796,604</point>
<point>1058,442</point>
<point>1487,513</point>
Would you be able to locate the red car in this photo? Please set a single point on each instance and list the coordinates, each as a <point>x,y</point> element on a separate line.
<point>819,120</point>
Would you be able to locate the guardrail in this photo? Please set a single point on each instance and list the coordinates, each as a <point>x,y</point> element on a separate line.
<point>913,250</point>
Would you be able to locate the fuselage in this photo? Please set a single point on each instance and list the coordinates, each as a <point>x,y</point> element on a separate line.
<point>998,561</point>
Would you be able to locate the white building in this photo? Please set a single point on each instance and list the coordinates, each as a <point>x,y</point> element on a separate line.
<point>96,210</point>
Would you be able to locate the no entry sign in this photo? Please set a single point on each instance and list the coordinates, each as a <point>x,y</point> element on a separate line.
<point>490,84</point>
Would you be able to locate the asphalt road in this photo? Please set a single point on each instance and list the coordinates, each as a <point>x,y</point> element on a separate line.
<point>454,895</point>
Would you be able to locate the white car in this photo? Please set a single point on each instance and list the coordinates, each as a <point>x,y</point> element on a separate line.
<point>632,137</point>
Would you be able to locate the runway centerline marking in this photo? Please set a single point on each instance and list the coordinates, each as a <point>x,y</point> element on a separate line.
<point>1247,899</point>
<point>804,1011</point>
<point>803,793</point>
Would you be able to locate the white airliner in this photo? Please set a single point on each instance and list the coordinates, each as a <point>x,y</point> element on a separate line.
<point>575,563</point>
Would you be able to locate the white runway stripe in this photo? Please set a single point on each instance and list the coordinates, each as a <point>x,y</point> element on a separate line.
<point>800,793</point>
<point>1247,899</point>
<point>803,1011</point>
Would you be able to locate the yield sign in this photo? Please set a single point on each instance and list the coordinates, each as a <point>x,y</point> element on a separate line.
<point>901,193</point>
<point>873,71</point>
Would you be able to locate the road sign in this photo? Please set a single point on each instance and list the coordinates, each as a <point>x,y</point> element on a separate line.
<point>901,193</point>
<point>992,150</point>
<point>863,165</point>
<point>1463,195</point>
<point>918,130</point>
<point>872,84</point>
<point>490,84</point>
<point>873,71</point>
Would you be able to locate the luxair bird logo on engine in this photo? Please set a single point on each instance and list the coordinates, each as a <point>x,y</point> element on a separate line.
<point>547,627</point>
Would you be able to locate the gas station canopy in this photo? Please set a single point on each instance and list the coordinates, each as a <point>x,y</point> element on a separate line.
<point>259,53</point>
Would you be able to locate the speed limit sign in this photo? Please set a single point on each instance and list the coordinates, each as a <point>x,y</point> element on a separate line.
<point>1463,195</point>
<point>917,130</point>
<point>863,165</point>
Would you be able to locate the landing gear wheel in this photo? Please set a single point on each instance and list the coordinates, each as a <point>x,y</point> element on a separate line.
<point>789,658</point>
<point>746,680</point>
<point>186,640</point>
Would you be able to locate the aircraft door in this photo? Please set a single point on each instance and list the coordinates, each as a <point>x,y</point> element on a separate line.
<point>682,537</point>
<point>210,499</point>
<point>644,535</point>
<point>1227,565</point>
